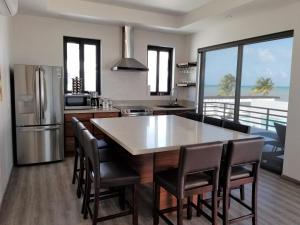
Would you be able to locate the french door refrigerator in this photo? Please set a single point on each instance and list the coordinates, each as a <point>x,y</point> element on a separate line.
<point>38,92</point>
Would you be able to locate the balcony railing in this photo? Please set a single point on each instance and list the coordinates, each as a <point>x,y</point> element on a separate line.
<point>253,116</point>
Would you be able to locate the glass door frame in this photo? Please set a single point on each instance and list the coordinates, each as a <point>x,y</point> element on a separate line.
<point>240,45</point>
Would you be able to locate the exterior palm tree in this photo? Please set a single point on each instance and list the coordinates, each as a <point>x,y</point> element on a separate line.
<point>263,86</point>
<point>227,85</point>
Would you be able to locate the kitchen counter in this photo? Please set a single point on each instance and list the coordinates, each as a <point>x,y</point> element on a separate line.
<point>99,110</point>
<point>153,134</point>
<point>157,108</point>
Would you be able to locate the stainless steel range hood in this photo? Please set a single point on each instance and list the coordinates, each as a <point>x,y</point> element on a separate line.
<point>128,62</point>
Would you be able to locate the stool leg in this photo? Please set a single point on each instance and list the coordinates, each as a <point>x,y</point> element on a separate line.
<point>80,177</point>
<point>189,208</point>
<point>156,204</point>
<point>122,198</point>
<point>242,192</point>
<point>225,218</point>
<point>85,192</point>
<point>214,207</point>
<point>87,196</point>
<point>134,205</point>
<point>254,203</point>
<point>179,211</point>
<point>75,167</point>
<point>199,205</point>
<point>96,204</point>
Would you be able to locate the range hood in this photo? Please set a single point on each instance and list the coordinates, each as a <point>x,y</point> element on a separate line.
<point>128,62</point>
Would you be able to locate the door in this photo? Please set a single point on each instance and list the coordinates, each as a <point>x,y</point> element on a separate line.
<point>51,95</point>
<point>39,144</point>
<point>27,97</point>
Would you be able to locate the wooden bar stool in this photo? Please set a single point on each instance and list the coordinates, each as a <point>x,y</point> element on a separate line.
<point>242,164</point>
<point>240,128</point>
<point>198,173</point>
<point>106,175</point>
<point>212,121</point>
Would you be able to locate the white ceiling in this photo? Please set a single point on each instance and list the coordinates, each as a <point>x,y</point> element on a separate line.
<point>183,16</point>
<point>176,7</point>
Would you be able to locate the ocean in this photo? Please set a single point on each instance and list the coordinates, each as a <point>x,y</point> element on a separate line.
<point>281,92</point>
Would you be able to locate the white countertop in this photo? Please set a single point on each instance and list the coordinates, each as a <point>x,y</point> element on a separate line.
<point>151,134</point>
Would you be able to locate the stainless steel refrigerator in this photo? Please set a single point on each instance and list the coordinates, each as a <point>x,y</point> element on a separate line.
<point>38,97</point>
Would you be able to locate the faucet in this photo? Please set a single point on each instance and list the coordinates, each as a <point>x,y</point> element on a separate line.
<point>173,94</point>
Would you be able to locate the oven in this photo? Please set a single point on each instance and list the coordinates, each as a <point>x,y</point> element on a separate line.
<point>77,101</point>
<point>135,110</point>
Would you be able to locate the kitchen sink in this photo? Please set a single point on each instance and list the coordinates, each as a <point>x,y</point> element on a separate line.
<point>171,106</point>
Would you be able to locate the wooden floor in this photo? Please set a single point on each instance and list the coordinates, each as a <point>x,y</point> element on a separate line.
<point>44,195</point>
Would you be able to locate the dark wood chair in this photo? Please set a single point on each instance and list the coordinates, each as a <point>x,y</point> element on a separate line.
<point>212,121</point>
<point>198,173</point>
<point>76,150</point>
<point>106,175</point>
<point>240,128</point>
<point>193,116</point>
<point>242,165</point>
<point>236,126</point>
<point>106,154</point>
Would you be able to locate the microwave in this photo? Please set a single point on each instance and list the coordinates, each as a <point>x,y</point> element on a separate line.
<point>77,101</point>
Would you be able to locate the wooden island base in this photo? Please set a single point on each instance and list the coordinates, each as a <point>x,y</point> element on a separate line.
<point>146,165</point>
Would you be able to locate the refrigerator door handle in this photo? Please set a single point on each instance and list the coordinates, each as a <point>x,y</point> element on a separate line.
<point>43,94</point>
<point>37,95</point>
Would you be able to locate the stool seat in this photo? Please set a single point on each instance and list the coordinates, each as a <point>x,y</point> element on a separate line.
<point>239,172</point>
<point>169,180</point>
<point>114,174</point>
<point>101,143</point>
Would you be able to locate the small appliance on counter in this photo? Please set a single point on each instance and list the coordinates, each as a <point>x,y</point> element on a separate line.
<point>78,101</point>
<point>94,100</point>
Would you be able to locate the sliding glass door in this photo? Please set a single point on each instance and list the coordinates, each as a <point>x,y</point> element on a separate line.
<point>220,83</point>
<point>247,81</point>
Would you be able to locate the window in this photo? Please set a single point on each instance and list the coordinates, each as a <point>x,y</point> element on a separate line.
<point>247,81</point>
<point>82,59</point>
<point>160,70</point>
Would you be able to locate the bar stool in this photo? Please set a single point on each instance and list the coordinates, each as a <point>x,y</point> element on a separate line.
<point>106,175</point>
<point>240,128</point>
<point>212,121</point>
<point>190,179</point>
<point>193,116</point>
<point>78,170</point>
<point>241,154</point>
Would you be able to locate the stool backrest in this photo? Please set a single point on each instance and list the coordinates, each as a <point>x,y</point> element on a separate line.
<point>245,152</point>
<point>281,131</point>
<point>193,116</point>
<point>199,158</point>
<point>212,121</point>
<point>236,126</point>
<point>91,154</point>
<point>79,129</point>
<point>75,121</point>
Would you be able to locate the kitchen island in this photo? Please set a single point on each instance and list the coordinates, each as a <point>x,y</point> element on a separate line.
<point>151,143</point>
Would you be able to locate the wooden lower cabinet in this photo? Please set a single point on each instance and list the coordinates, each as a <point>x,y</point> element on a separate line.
<point>172,112</point>
<point>85,119</point>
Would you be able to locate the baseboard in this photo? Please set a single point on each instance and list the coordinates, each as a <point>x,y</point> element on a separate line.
<point>290,179</point>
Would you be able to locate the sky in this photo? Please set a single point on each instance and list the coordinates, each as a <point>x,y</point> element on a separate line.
<point>270,59</point>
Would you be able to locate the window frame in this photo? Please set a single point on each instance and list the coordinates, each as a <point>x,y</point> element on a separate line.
<point>240,45</point>
<point>82,42</point>
<point>159,49</point>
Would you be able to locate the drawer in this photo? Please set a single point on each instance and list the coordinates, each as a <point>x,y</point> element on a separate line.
<point>80,116</point>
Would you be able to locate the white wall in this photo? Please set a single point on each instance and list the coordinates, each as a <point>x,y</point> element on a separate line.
<point>5,109</point>
<point>39,40</point>
<point>251,26</point>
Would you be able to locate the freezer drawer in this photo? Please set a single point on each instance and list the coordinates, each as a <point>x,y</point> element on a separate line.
<point>39,144</point>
